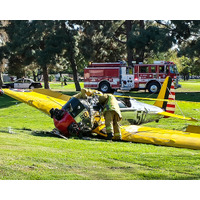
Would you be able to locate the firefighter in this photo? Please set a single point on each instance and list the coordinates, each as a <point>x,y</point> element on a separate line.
<point>112,115</point>
<point>111,111</point>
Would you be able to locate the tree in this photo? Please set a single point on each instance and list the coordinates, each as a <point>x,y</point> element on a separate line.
<point>2,68</point>
<point>186,67</point>
<point>49,44</point>
<point>125,39</point>
<point>191,50</point>
<point>70,45</point>
<point>99,41</point>
<point>45,45</point>
<point>188,36</point>
<point>3,40</point>
<point>42,43</point>
<point>17,49</point>
<point>149,37</point>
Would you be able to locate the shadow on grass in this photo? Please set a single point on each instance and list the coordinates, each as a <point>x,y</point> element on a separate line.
<point>188,96</point>
<point>6,101</point>
<point>49,134</point>
<point>43,134</point>
<point>28,131</point>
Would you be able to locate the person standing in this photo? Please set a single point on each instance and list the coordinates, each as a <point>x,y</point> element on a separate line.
<point>112,115</point>
<point>61,80</point>
<point>65,81</point>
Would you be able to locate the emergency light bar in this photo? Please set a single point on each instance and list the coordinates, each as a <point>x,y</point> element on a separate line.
<point>162,62</point>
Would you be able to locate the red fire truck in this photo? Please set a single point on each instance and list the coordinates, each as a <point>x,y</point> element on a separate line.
<point>117,75</point>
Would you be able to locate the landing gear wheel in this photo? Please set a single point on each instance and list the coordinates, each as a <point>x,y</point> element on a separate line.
<point>153,87</point>
<point>105,87</point>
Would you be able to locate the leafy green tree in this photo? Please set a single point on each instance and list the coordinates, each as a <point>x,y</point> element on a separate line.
<point>195,70</point>
<point>68,35</point>
<point>147,37</point>
<point>42,43</point>
<point>18,48</point>
<point>191,50</point>
<point>50,45</point>
<point>3,40</point>
<point>186,64</point>
<point>98,41</point>
<point>127,39</point>
<point>187,33</point>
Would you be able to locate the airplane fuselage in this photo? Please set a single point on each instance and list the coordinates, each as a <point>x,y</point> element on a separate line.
<point>140,113</point>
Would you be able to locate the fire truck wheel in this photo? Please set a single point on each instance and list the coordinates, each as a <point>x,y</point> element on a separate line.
<point>153,87</point>
<point>105,87</point>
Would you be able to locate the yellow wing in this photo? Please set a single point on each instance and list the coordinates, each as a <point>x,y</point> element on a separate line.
<point>160,136</point>
<point>177,116</point>
<point>157,136</point>
<point>41,99</point>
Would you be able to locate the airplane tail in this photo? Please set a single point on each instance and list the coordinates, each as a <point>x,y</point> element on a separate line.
<point>167,92</point>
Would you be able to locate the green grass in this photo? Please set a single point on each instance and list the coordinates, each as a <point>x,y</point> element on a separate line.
<point>69,87</point>
<point>28,151</point>
<point>190,86</point>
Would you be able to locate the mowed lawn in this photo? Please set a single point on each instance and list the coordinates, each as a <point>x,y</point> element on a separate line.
<point>28,151</point>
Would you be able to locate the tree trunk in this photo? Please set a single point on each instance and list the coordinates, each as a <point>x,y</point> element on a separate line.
<point>34,75</point>
<point>75,74</point>
<point>2,67</point>
<point>38,75</point>
<point>140,52</point>
<point>60,75</point>
<point>46,77</point>
<point>1,79</point>
<point>128,25</point>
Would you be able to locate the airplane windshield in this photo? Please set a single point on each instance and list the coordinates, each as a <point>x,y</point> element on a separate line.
<point>74,107</point>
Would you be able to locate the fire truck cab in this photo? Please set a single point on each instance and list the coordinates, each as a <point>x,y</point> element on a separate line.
<point>152,76</point>
<point>118,75</point>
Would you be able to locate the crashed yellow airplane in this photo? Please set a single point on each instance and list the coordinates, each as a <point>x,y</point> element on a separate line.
<point>78,116</point>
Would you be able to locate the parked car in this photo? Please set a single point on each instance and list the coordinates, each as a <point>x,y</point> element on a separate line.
<point>23,83</point>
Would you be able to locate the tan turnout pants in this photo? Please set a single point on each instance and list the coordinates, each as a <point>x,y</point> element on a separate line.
<point>112,123</point>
